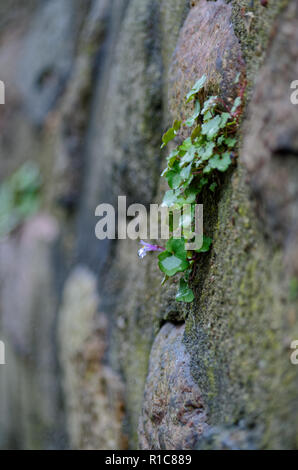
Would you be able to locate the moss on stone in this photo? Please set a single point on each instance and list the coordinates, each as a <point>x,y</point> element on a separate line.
<point>255,32</point>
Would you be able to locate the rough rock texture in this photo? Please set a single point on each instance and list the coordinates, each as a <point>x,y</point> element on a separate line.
<point>29,392</point>
<point>174,416</point>
<point>93,392</point>
<point>273,123</point>
<point>227,438</point>
<point>106,78</point>
<point>47,56</point>
<point>239,332</point>
<point>13,151</point>
<point>70,121</point>
<point>239,329</point>
<point>207,45</point>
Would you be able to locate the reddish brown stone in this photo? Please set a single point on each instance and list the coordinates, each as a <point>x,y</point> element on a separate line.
<point>173,414</point>
<point>207,45</point>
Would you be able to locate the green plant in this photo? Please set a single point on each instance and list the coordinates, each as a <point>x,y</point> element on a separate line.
<point>19,197</point>
<point>193,165</point>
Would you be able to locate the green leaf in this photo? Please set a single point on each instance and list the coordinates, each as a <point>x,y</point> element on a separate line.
<point>220,140</point>
<point>208,116</point>
<point>230,142</point>
<point>186,145</point>
<point>187,182</point>
<point>224,119</point>
<point>185,172</point>
<point>19,197</point>
<point>207,242</point>
<point>177,125</point>
<point>236,104</point>
<point>196,88</point>
<point>170,264</point>
<point>196,132</point>
<point>203,182</point>
<point>188,157</point>
<point>171,133</point>
<point>188,197</point>
<point>191,121</point>
<point>220,162</point>
<point>172,157</point>
<point>184,294</point>
<point>173,176</point>
<point>207,170</point>
<point>173,179</point>
<point>206,151</point>
<point>209,104</point>
<point>237,78</point>
<point>211,128</point>
<point>213,187</point>
<point>169,199</point>
<point>168,136</point>
<point>176,246</point>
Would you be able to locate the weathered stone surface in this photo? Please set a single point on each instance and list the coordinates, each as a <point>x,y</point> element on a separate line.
<point>12,10</point>
<point>172,16</point>
<point>93,392</point>
<point>220,438</point>
<point>123,150</point>
<point>242,315</point>
<point>24,258</point>
<point>131,300</point>
<point>47,56</point>
<point>123,159</point>
<point>174,415</point>
<point>237,332</point>
<point>70,120</point>
<point>13,28</point>
<point>207,45</point>
<point>271,146</point>
<point>240,327</point>
<point>255,27</point>
<point>29,390</point>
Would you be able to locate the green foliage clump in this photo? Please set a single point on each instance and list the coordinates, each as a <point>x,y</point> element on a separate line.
<point>19,197</point>
<point>193,165</point>
<point>208,151</point>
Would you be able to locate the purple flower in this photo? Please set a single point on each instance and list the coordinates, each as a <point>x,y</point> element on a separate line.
<point>147,247</point>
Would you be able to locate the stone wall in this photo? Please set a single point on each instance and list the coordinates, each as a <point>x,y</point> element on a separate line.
<point>99,355</point>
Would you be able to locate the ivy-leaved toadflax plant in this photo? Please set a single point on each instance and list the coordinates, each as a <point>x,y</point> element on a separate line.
<point>193,165</point>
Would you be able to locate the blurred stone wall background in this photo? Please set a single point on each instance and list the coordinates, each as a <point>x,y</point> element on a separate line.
<point>98,355</point>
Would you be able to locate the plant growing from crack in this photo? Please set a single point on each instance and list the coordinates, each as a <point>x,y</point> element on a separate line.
<point>196,163</point>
